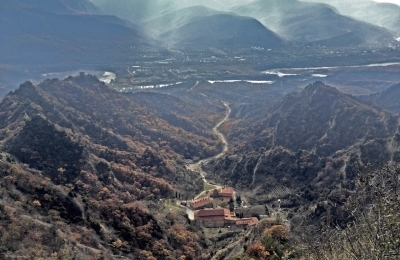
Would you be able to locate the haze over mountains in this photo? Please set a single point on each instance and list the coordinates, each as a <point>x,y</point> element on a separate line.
<point>291,19</point>
<point>132,108</point>
<point>310,22</point>
<point>79,30</point>
<point>58,6</point>
<point>50,31</point>
<point>202,27</point>
<point>170,21</point>
<point>137,10</point>
<point>386,15</point>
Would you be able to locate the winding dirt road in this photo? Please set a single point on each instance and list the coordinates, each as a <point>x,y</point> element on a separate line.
<point>197,167</point>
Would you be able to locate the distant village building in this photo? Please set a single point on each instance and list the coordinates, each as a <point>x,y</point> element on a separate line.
<point>225,194</point>
<point>212,218</point>
<point>201,203</point>
<point>244,222</point>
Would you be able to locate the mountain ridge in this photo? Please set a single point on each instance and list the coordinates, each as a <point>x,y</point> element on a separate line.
<point>387,99</point>
<point>210,28</point>
<point>56,6</point>
<point>315,138</point>
<point>380,14</point>
<point>85,158</point>
<point>39,35</point>
<point>309,22</point>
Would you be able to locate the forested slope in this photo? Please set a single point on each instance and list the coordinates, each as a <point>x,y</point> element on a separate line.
<point>317,138</point>
<point>83,165</point>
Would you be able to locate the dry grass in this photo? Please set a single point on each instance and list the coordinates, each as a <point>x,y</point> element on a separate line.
<point>208,186</point>
<point>170,205</point>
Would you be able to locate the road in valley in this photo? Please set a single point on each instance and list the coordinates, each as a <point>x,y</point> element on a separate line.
<point>197,167</point>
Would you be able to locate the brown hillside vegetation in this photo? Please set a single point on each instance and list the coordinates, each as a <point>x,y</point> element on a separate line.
<point>373,229</point>
<point>268,240</point>
<point>83,168</point>
<point>310,140</point>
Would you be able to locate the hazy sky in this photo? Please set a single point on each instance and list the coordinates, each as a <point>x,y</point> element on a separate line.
<point>389,1</point>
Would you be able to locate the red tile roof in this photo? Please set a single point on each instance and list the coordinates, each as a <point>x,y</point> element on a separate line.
<point>214,215</point>
<point>195,204</point>
<point>212,212</point>
<point>212,218</point>
<point>226,192</point>
<point>246,221</point>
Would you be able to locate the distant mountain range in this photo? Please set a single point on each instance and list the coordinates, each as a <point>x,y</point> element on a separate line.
<point>381,14</point>
<point>76,32</point>
<point>134,10</point>
<point>60,32</point>
<point>139,10</point>
<point>169,21</point>
<point>312,22</point>
<point>293,20</point>
<point>203,27</point>
<point>55,6</point>
<point>55,32</point>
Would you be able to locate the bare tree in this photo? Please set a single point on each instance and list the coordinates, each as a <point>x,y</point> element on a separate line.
<point>373,228</point>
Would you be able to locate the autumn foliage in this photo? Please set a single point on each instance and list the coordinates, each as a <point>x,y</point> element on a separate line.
<point>83,169</point>
<point>258,251</point>
<point>279,232</point>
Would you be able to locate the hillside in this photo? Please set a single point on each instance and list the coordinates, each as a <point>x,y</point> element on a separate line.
<point>84,167</point>
<point>221,30</point>
<point>62,32</point>
<point>312,22</point>
<point>388,99</point>
<point>142,10</point>
<point>133,10</point>
<point>385,15</point>
<point>314,139</point>
<point>55,6</point>
<point>177,18</point>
